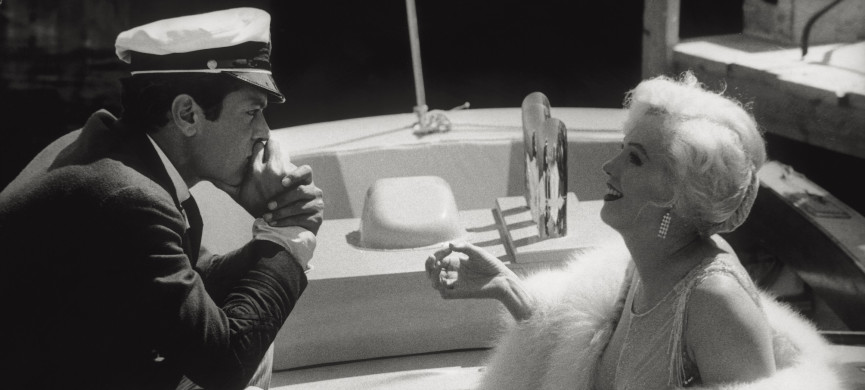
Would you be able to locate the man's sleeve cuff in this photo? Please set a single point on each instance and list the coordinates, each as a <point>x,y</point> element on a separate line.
<point>296,240</point>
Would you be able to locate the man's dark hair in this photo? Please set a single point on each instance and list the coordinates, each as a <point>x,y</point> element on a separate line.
<point>147,98</point>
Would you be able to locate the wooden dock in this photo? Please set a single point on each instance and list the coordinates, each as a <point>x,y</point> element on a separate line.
<point>818,99</point>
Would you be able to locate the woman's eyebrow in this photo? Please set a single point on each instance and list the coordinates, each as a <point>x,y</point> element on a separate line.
<point>639,147</point>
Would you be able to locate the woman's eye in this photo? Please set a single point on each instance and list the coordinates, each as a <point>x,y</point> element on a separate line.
<point>634,159</point>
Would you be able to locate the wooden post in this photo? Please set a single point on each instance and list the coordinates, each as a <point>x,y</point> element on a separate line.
<point>660,34</point>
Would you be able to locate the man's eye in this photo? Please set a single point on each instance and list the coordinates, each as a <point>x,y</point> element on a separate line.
<point>635,159</point>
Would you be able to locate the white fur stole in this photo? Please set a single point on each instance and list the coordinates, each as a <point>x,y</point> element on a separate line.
<point>574,317</point>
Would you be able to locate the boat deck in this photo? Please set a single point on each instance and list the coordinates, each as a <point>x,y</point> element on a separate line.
<point>363,304</point>
<point>443,370</point>
<point>458,370</point>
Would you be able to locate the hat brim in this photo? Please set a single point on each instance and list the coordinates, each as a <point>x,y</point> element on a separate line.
<point>262,80</point>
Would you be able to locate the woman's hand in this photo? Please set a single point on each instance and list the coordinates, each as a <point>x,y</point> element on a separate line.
<point>463,270</point>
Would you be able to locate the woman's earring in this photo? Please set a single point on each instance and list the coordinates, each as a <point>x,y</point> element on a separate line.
<point>665,225</point>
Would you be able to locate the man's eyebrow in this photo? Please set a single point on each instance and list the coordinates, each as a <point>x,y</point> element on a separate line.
<point>258,100</point>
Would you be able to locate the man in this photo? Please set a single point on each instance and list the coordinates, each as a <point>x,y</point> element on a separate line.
<point>105,283</point>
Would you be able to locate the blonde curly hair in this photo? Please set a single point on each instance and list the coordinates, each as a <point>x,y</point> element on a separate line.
<point>713,149</point>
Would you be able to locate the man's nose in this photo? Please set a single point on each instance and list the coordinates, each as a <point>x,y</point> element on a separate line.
<point>261,131</point>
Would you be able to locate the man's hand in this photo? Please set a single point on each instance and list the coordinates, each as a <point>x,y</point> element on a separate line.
<point>299,204</point>
<point>280,198</point>
<point>263,179</point>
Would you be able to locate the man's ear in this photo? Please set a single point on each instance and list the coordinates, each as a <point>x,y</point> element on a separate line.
<point>186,114</point>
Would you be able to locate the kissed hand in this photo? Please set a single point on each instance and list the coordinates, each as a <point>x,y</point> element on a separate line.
<point>263,179</point>
<point>282,198</point>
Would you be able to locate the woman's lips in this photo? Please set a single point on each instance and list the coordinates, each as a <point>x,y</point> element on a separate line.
<point>612,194</point>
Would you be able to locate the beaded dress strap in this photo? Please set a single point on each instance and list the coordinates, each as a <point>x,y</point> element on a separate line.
<point>710,266</point>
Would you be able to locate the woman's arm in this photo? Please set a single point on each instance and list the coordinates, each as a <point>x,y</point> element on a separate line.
<point>727,334</point>
<point>516,299</point>
<point>464,270</point>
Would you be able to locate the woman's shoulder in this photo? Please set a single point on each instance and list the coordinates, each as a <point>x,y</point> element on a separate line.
<point>721,290</point>
<point>723,296</point>
<point>720,271</point>
<point>720,279</point>
<point>726,330</point>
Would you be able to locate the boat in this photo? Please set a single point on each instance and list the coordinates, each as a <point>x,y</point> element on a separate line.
<point>378,325</point>
<point>369,319</point>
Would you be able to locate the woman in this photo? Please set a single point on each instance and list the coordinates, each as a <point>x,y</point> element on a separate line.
<point>676,310</point>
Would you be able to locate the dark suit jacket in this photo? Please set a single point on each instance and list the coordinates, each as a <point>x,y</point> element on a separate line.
<point>99,292</point>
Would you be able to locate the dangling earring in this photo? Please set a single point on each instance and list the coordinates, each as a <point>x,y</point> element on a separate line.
<point>665,225</point>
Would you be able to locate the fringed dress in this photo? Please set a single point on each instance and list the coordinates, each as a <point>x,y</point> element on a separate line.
<point>647,348</point>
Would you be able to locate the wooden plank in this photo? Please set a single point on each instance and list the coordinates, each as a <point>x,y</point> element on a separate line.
<point>784,21</point>
<point>813,102</point>
<point>660,34</point>
<point>834,69</point>
<point>833,127</point>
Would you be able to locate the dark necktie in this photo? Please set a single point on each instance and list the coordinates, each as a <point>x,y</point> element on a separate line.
<point>192,236</point>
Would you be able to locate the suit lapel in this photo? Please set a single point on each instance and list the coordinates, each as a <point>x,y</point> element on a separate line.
<point>192,236</point>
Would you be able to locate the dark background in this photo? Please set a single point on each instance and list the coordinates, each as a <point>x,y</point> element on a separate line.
<point>344,59</point>
<point>356,60</point>
<point>338,60</point>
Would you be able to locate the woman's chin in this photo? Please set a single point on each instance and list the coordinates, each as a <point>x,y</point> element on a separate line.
<point>604,215</point>
<point>605,218</point>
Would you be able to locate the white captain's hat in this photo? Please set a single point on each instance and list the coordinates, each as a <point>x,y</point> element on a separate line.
<point>235,42</point>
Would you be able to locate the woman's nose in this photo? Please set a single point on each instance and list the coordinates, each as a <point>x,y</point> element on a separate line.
<point>614,165</point>
<point>606,166</point>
